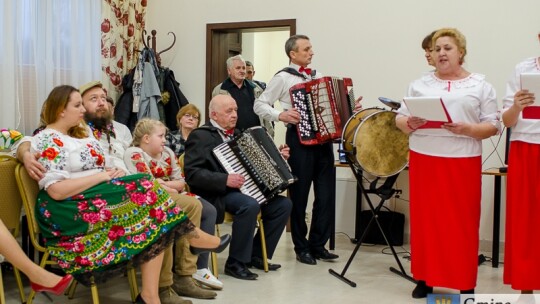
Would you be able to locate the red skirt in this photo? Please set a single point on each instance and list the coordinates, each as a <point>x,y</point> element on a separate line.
<point>521,254</point>
<point>445,196</point>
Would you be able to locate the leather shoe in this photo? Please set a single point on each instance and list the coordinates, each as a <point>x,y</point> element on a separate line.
<point>258,263</point>
<point>57,289</point>
<point>306,258</point>
<point>421,290</point>
<point>324,255</point>
<point>224,242</point>
<point>239,270</point>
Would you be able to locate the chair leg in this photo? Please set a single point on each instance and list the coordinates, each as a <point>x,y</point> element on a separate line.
<point>263,245</point>
<point>71,289</point>
<point>2,295</point>
<point>19,284</point>
<point>133,287</point>
<point>94,290</point>
<point>215,269</point>
<point>42,264</point>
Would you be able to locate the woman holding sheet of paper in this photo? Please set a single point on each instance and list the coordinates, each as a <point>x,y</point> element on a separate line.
<point>521,263</point>
<point>445,168</point>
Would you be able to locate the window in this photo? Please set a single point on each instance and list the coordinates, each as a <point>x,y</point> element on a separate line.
<point>45,43</point>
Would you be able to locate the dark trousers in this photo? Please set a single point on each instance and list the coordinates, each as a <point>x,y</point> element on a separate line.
<point>311,164</point>
<point>245,209</point>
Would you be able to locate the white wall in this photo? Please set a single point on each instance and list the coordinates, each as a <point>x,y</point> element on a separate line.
<point>376,43</point>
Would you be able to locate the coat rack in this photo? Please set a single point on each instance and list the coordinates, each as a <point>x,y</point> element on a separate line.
<point>146,42</point>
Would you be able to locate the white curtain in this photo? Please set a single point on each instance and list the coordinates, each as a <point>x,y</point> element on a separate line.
<point>44,43</point>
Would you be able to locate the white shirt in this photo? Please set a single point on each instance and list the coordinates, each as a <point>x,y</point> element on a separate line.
<point>119,145</point>
<point>278,89</point>
<point>468,100</point>
<point>527,130</point>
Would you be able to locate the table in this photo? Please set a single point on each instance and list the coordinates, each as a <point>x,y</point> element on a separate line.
<point>496,213</point>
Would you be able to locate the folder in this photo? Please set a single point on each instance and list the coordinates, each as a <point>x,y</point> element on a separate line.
<point>531,82</point>
<point>430,108</point>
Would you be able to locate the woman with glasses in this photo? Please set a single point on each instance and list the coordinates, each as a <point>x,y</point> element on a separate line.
<point>187,119</point>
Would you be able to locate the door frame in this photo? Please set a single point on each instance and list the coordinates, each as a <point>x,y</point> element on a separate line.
<point>248,26</point>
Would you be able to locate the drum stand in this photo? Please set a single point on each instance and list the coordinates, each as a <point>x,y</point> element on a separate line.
<point>384,192</point>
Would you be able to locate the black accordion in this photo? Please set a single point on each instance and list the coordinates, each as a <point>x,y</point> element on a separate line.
<point>325,104</point>
<point>254,155</point>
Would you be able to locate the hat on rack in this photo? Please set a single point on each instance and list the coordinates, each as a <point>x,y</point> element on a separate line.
<point>84,88</point>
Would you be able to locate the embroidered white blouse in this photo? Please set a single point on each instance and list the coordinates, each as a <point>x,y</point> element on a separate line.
<point>67,157</point>
<point>468,100</point>
<point>527,130</point>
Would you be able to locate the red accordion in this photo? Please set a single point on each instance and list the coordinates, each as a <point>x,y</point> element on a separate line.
<point>325,104</point>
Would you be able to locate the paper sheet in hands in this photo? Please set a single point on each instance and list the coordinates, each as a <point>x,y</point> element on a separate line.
<point>430,108</point>
<point>531,82</point>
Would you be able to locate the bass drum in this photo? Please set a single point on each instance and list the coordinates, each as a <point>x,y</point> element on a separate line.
<point>377,145</point>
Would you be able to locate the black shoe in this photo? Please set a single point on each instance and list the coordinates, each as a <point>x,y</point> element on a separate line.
<point>306,258</point>
<point>139,300</point>
<point>469,291</point>
<point>239,270</point>
<point>421,290</point>
<point>258,263</point>
<point>324,255</point>
<point>225,240</point>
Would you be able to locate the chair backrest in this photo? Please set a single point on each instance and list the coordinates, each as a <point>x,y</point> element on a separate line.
<point>10,199</point>
<point>181,165</point>
<point>29,189</point>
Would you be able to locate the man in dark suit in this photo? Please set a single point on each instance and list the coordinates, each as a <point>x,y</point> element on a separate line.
<point>206,178</point>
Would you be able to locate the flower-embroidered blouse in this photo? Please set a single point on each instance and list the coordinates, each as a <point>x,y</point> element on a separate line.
<point>166,168</point>
<point>67,157</point>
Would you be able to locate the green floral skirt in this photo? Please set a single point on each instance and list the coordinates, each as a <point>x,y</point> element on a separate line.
<point>120,223</point>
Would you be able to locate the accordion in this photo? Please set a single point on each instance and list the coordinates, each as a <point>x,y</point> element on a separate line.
<point>254,155</point>
<point>325,104</point>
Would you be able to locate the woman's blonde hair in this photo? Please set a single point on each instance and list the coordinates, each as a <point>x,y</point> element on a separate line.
<point>144,127</point>
<point>459,38</point>
<point>188,109</point>
<point>57,102</point>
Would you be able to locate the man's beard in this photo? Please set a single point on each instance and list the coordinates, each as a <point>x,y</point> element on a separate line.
<point>100,121</point>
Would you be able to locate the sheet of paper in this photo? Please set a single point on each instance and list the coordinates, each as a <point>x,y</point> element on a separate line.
<point>430,108</point>
<point>531,82</point>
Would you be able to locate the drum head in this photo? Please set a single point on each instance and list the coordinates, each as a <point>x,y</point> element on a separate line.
<point>350,129</point>
<point>381,149</point>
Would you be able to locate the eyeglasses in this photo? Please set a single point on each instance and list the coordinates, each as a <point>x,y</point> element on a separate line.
<point>187,115</point>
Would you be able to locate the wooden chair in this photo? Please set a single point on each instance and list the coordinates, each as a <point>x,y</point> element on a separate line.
<point>229,218</point>
<point>29,189</point>
<point>10,212</point>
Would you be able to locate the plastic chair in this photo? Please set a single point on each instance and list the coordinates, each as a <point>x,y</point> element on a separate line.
<point>29,189</point>
<point>10,212</point>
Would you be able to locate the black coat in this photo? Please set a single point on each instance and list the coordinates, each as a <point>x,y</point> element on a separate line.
<point>203,172</point>
<point>167,83</point>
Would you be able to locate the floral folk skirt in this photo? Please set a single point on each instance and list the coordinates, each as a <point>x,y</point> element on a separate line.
<point>113,225</point>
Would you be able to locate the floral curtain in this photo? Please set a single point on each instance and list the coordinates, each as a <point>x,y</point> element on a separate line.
<point>121,36</point>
